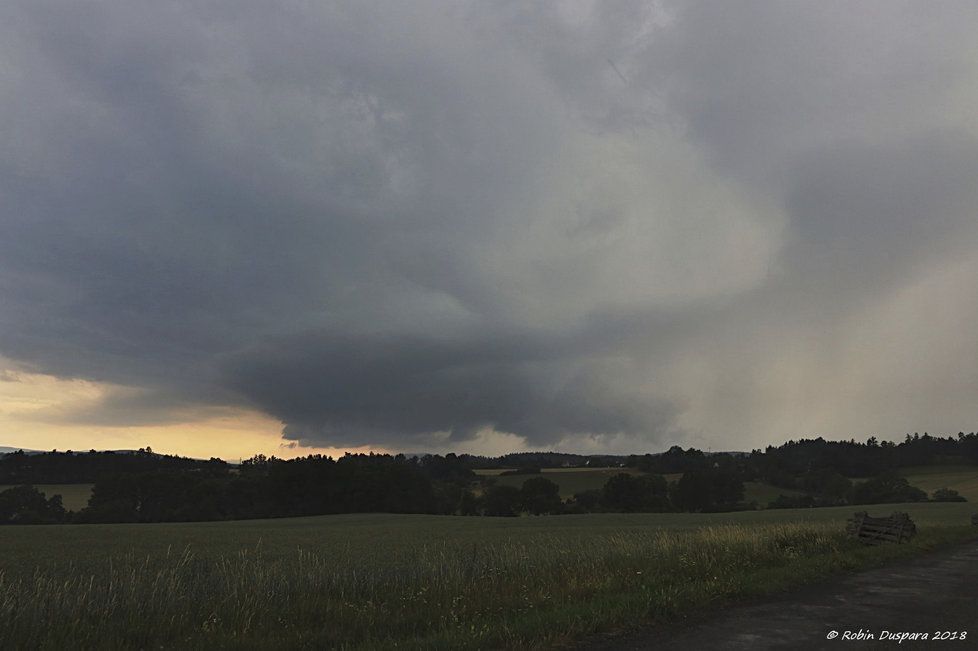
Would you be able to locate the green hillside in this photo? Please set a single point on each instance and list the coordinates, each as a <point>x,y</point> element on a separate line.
<point>963,479</point>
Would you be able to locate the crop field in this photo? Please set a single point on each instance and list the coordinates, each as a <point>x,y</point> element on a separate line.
<point>414,581</point>
<point>73,496</point>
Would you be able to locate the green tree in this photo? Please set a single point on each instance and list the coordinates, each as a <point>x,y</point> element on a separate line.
<point>709,489</point>
<point>631,493</point>
<point>501,501</point>
<point>539,495</point>
<point>587,501</point>
<point>27,505</point>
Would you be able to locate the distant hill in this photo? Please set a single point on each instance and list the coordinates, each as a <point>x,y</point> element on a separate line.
<point>6,450</point>
<point>77,467</point>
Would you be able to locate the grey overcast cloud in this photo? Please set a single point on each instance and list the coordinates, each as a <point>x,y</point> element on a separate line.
<point>584,226</point>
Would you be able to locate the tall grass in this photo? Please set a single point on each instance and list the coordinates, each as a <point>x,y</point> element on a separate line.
<point>435,594</point>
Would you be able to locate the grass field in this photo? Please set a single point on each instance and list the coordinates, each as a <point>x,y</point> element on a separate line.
<point>413,581</point>
<point>73,496</point>
<point>963,479</point>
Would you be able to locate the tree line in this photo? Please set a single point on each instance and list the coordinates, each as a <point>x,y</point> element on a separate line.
<point>148,487</point>
<point>70,467</point>
<point>356,483</point>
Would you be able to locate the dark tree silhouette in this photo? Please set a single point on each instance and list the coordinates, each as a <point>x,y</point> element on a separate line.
<point>887,488</point>
<point>503,501</point>
<point>27,505</point>
<point>709,489</point>
<point>540,496</point>
<point>630,493</point>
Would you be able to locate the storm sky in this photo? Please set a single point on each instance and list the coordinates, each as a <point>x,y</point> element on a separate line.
<point>585,226</point>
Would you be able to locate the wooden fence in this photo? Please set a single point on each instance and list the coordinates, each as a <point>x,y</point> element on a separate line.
<point>897,528</point>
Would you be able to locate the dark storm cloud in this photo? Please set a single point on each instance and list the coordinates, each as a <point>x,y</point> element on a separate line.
<point>347,388</point>
<point>404,223</point>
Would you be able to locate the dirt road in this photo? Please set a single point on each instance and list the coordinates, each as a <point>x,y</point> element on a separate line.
<point>931,594</point>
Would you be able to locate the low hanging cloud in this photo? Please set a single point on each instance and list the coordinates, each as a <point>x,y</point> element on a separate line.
<point>585,224</point>
<point>346,390</point>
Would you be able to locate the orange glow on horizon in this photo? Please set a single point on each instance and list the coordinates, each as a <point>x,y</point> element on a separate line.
<point>28,399</point>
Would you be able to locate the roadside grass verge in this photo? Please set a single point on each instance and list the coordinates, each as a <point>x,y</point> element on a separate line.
<point>519,591</point>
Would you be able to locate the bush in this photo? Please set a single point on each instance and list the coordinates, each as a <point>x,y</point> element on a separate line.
<point>948,495</point>
<point>888,488</point>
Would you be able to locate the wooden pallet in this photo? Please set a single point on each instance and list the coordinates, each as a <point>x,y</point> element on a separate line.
<point>897,528</point>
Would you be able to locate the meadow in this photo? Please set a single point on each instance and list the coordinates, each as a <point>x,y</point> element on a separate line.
<point>415,581</point>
